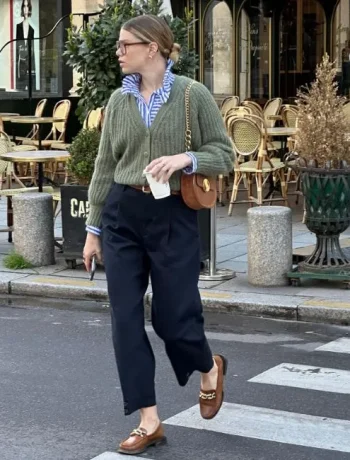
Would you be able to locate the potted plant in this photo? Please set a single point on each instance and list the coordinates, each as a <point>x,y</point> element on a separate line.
<point>74,196</point>
<point>323,160</point>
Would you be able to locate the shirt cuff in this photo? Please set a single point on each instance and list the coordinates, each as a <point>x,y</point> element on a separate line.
<point>192,168</point>
<point>94,230</point>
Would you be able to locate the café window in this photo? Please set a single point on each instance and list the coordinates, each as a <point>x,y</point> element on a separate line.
<point>254,51</point>
<point>341,44</point>
<point>28,61</point>
<point>302,43</point>
<point>217,48</point>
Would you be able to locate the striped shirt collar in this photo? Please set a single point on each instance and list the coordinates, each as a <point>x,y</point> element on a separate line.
<point>131,83</point>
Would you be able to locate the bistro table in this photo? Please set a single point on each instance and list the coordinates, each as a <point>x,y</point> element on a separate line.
<point>281,131</point>
<point>38,156</point>
<point>32,120</point>
<point>284,132</point>
<point>8,114</point>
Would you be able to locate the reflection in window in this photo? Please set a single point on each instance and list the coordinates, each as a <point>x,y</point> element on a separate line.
<point>313,35</point>
<point>254,46</point>
<point>218,48</point>
<point>302,43</point>
<point>289,37</point>
<point>341,44</point>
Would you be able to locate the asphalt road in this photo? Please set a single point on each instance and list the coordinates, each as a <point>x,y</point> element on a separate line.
<point>60,397</point>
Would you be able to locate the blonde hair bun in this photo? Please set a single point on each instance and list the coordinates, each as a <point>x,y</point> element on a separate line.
<point>175,52</point>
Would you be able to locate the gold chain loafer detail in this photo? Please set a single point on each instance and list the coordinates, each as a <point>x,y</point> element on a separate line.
<point>203,395</point>
<point>141,441</point>
<point>210,402</point>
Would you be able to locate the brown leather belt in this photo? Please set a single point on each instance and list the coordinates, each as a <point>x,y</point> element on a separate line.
<point>147,189</point>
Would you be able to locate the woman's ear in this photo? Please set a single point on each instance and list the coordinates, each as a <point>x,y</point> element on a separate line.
<point>153,48</point>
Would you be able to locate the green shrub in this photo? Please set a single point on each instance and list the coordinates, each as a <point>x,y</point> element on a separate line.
<point>14,261</point>
<point>83,150</point>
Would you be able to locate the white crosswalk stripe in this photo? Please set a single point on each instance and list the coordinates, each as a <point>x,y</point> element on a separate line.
<point>277,425</point>
<point>271,425</point>
<point>341,345</point>
<point>114,456</point>
<point>307,377</point>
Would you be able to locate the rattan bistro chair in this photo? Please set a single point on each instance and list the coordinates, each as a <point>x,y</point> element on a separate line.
<point>223,180</point>
<point>289,115</point>
<point>249,141</point>
<point>7,175</point>
<point>93,120</point>
<point>254,107</point>
<point>236,112</point>
<point>271,108</point>
<point>33,134</point>
<point>7,168</point>
<point>58,130</point>
<point>229,103</point>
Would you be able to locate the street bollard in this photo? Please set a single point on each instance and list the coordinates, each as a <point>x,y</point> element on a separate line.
<point>270,245</point>
<point>34,228</point>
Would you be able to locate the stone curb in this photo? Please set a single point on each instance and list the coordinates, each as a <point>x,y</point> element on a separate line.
<point>295,308</point>
<point>45,286</point>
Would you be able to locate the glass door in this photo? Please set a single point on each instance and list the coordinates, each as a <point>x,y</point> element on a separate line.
<point>302,44</point>
<point>217,48</point>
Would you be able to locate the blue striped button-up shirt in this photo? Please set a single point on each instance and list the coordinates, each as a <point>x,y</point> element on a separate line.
<point>131,85</point>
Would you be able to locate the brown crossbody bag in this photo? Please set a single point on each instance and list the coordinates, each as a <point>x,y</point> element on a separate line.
<point>198,191</point>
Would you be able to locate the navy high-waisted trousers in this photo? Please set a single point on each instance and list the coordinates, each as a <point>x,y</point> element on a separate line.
<point>143,237</point>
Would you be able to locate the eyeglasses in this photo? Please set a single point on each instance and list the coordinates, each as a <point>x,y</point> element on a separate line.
<point>122,47</point>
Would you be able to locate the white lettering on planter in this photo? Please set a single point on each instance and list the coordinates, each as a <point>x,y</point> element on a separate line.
<point>79,209</point>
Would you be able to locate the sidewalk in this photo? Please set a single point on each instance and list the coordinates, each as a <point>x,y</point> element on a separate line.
<point>312,301</point>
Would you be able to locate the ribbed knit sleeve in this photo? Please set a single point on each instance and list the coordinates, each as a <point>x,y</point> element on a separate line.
<point>105,165</point>
<point>215,155</point>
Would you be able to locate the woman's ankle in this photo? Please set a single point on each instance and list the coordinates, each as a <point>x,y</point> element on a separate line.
<point>149,418</point>
<point>212,371</point>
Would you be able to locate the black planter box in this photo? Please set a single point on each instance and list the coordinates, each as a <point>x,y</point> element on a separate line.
<point>75,208</point>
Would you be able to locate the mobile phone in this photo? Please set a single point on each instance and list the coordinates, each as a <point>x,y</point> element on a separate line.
<point>93,268</point>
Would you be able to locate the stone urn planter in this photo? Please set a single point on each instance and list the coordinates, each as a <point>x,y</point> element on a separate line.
<point>322,160</point>
<point>327,206</point>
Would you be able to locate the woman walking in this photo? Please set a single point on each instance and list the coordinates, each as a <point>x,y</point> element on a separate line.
<point>144,129</point>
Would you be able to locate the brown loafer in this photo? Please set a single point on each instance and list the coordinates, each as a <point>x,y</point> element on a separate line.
<point>210,402</point>
<point>141,441</point>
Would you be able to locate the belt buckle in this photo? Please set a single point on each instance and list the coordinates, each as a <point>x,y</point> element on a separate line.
<point>146,191</point>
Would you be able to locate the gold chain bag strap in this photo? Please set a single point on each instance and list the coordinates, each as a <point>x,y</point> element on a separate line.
<point>198,191</point>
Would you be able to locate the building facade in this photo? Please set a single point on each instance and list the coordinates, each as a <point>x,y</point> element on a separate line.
<point>264,48</point>
<point>253,48</point>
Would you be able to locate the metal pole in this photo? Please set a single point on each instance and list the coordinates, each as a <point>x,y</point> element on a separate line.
<point>30,66</point>
<point>211,273</point>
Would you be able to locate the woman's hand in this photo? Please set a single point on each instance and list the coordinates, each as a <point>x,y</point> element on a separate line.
<point>92,248</point>
<point>162,168</point>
